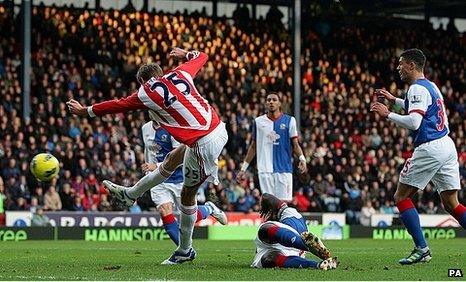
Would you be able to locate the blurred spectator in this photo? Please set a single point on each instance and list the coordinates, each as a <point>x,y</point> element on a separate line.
<point>104,204</point>
<point>19,205</point>
<point>366,213</point>
<point>90,200</point>
<point>52,201</point>
<point>387,208</point>
<point>34,205</point>
<point>40,219</point>
<point>67,197</point>
<point>77,204</point>
<point>431,208</point>
<point>301,201</point>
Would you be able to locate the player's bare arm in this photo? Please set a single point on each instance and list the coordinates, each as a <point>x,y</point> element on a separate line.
<point>241,176</point>
<point>302,166</point>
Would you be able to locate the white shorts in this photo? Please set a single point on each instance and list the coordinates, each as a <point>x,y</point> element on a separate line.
<point>166,193</point>
<point>278,184</point>
<point>263,248</point>
<point>201,161</point>
<point>435,161</point>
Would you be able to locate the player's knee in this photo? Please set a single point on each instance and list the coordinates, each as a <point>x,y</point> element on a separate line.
<point>264,233</point>
<point>269,259</point>
<point>165,209</point>
<point>174,159</point>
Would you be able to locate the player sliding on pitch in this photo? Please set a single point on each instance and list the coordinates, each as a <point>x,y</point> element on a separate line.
<point>434,159</point>
<point>188,117</point>
<point>283,239</point>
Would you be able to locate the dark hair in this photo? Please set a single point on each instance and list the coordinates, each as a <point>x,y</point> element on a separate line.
<point>275,93</point>
<point>146,71</point>
<point>270,206</point>
<point>415,55</point>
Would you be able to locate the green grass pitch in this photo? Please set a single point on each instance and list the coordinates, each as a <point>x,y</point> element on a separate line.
<point>361,259</point>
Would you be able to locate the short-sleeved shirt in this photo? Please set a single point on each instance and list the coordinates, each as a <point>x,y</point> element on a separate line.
<point>273,143</point>
<point>425,98</point>
<point>157,144</point>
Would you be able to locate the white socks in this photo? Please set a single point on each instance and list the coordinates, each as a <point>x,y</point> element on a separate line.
<point>146,183</point>
<point>188,218</point>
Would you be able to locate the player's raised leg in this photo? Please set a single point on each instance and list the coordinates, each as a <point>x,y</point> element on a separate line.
<point>453,207</point>
<point>127,195</point>
<point>276,233</point>
<point>410,218</point>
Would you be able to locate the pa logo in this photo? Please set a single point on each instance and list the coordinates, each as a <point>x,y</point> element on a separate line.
<point>455,272</point>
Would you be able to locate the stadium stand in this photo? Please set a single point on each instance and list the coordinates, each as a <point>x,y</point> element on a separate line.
<point>354,159</point>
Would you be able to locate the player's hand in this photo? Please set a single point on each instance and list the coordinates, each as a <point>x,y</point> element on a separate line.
<point>146,167</point>
<point>382,93</point>
<point>241,176</point>
<point>380,109</point>
<point>302,166</point>
<point>76,108</point>
<point>178,53</point>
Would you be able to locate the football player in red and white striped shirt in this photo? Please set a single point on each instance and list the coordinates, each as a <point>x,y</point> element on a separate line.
<point>189,118</point>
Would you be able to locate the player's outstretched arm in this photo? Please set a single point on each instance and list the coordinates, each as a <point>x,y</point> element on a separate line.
<point>122,105</point>
<point>241,176</point>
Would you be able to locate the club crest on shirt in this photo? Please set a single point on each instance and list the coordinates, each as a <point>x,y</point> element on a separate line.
<point>155,148</point>
<point>282,126</point>
<point>416,99</point>
<point>164,138</point>
<point>273,136</point>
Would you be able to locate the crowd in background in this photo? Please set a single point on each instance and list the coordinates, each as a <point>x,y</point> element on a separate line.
<point>353,157</point>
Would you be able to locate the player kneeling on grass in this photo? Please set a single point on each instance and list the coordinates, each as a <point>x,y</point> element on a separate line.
<point>158,143</point>
<point>283,239</point>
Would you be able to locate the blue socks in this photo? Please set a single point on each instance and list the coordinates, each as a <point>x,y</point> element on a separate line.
<point>170,224</point>
<point>410,218</point>
<point>460,214</point>
<point>203,212</point>
<point>295,262</point>
<point>286,237</point>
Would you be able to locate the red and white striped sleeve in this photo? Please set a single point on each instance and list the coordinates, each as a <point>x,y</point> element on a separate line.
<point>122,105</point>
<point>196,60</point>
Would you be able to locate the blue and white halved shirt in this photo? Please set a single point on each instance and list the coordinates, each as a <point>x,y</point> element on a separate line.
<point>273,143</point>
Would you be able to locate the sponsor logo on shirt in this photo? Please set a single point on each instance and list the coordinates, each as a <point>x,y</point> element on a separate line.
<point>273,136</point>
<point>416,99</point>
